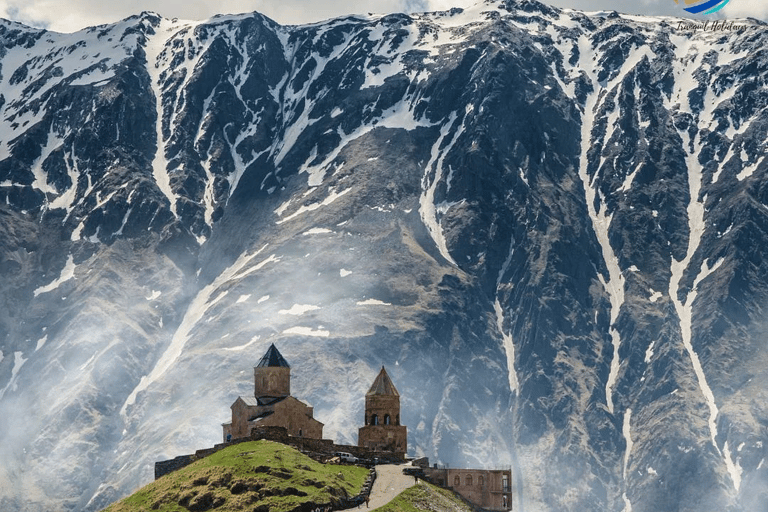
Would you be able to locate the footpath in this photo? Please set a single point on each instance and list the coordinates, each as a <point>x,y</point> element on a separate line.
<point>390,481</point>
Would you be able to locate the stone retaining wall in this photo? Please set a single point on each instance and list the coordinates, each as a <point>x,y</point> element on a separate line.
<point>317,449</point>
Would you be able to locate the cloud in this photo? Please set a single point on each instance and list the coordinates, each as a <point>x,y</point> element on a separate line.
<point>746,9</point>
<point>73,15</point>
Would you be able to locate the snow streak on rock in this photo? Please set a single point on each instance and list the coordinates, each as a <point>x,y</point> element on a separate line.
<point>203,301</point>
<point>734,469</point>
<point>67,273</point>
<point>696,227</point>
<point>427,210</point>
<point>509,343</point>
<point>18,362</point>
<point>156,45</point>
<point>627,432</point>
<point>601,219</point>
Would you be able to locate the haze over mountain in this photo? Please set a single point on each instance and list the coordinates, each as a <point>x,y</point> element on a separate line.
<point>548,226</point>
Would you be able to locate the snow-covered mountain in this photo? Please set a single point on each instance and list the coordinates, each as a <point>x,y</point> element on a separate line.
<point>548,225</point>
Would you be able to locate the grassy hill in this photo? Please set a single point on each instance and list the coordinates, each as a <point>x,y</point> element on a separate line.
<point>258,476</point>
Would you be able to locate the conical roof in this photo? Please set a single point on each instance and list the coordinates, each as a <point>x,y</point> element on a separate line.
<point>382,385</point>
<point>273,357</point>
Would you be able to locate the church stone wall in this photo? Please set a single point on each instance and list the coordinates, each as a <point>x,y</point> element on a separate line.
<point>383,438</point>
<point>295,417</point>
<point>485,488</point>
<point>240,414</point>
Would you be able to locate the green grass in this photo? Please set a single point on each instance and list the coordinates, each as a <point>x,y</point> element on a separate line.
<point>425,497</point>
<point>257,475</point>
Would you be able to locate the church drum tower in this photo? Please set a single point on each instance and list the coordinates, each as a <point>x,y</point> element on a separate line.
<point>382,430</point>
<point>271,376</point>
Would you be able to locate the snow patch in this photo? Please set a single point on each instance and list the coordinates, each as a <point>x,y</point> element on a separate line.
<point>373,302</point>
<point>154,295</point>
<point>627,432</point>
<point>242,298</point>
<point>649,352</point>
<point>332,196</point>
<point>733,466</point>
<point>749,170</point>
<point>18,362</point>
<point>317,231</point>
<point>67,273</point>
<point>344,272</point>
<point>307,331</point>
<point>40,344</point>
<point>298,309</point>
<point>509,346</point>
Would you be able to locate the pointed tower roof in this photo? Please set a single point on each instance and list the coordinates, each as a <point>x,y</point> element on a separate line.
<point>273,357</point>
<point>382,385</point>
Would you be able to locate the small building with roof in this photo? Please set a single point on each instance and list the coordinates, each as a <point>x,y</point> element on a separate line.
<point>272,404</point>
<point>382,431</point>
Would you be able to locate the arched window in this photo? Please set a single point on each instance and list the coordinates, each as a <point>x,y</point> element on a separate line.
<point>504,501</point>
<point>480,480</point>
<point>397,420</point>
<point>374,420</point>
<point>456,481</point>
<point>386,419</point>
<point>469,480</point>
<point>299,432</point>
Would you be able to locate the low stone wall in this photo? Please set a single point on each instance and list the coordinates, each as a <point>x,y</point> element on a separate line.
<point>318,449</point>
<point>323,448</point>
<point>168,466</point>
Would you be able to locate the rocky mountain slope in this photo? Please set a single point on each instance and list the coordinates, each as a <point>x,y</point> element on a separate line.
<point>548,225</point>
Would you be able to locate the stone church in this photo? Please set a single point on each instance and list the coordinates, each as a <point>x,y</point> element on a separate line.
<point>382,431</point>
<point>272,404</point>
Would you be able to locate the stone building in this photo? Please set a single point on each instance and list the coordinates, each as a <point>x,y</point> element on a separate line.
<point>489,489</point>
<point>272,404</point>
<point>382,430</point>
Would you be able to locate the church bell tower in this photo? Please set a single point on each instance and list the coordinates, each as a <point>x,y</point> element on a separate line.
<point>382,430</point>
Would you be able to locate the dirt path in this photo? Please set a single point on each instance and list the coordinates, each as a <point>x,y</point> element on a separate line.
<point>390,481</point>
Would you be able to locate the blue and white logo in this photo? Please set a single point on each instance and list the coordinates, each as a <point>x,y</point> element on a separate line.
<point>703,6</point>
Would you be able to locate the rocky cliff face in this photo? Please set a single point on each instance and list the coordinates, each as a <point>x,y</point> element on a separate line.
<point>548,226</point>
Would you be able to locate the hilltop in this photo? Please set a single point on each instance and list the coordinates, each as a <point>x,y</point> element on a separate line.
<point>258,475</point>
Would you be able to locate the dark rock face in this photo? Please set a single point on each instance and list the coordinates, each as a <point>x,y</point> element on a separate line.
<point>548,226</point>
